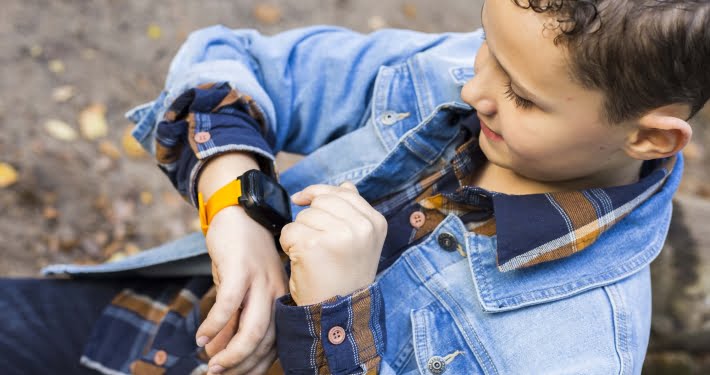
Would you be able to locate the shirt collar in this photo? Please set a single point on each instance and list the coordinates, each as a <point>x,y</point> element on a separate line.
<point>538,228</point>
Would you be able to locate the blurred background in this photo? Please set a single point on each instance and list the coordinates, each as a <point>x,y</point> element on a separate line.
<point>75,187</point>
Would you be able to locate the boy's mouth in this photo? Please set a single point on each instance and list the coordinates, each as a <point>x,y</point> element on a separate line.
<point>493,136</point>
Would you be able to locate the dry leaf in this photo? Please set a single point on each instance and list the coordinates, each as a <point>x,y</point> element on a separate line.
<point>88,54</point>
<point>154,32</point>
<point>50,213</point>
<point>116,257</point>
<point>112,248</point>
<point>376,23</point>
<point>109,149</point>
<point>92,122</point>
<point>36,51</point>
<point>56,66</point>
<point>146,197</point>
<point>130,145</point>
<point>132,248</point>
<point>101,238</point>
<point>101,202</point>
<point>62,94</point>
<point>268,14</point>
<point>49,197</point>
<point>8,175</point>
<point>410,11</point>
<point>60,130</point>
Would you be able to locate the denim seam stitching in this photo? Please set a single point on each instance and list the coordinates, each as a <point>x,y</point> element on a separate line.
<point>572,288</point>
<point>620,328</point>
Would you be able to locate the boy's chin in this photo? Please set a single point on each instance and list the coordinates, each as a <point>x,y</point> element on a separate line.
<point>493,154</point>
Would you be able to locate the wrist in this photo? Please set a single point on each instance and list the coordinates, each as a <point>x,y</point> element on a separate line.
<point>223,169</point>
<point>306,299</point>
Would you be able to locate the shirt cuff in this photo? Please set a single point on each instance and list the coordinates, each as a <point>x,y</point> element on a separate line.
<point>343,335</point>
<point>205,122</point>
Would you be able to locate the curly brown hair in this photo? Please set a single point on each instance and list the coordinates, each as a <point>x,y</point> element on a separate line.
<point>643,54</point>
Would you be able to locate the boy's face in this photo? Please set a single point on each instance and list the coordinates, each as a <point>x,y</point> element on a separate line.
<point>535,120</point>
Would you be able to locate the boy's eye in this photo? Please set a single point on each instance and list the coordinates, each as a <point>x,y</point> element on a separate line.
<point>519,102</point>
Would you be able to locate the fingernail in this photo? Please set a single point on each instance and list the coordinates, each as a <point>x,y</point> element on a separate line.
<point>202,341</point>
<point>216,369</point>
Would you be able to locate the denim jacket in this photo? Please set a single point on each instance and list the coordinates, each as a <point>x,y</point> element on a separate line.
<point>376,110</point>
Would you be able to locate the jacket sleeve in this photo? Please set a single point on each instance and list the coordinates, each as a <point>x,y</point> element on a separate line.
<point>342,336</point>
<point>206,121</point>
<point>306,86</point>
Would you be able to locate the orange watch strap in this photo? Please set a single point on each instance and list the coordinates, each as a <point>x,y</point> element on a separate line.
<point>227,195</point>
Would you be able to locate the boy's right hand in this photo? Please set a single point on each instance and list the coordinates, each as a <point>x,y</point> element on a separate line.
<point>249,275</point>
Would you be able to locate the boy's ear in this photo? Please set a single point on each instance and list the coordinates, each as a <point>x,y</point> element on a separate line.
<point>660,133</point>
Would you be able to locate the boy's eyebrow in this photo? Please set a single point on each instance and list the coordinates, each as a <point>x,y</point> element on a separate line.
<point>525,92</point>
<point>521,89</point>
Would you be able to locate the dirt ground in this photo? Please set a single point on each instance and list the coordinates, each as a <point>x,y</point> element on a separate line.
<point>82,196</point>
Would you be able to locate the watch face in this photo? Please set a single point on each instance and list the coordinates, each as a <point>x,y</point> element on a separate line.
<point>266,201</point>
<point>275,197</point>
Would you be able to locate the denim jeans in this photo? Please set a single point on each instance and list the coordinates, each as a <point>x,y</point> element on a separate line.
<point>46,323</point>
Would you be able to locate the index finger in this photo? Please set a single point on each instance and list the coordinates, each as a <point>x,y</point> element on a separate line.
<point>306,196</point>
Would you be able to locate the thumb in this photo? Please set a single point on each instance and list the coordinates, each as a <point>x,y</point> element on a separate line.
<point>349,185</point>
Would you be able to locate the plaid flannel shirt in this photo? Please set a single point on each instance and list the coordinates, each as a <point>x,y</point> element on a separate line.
<point>152,331</point>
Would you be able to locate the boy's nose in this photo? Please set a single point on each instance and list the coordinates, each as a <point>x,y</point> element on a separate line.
<point>474,96</point>
<point>477,91</point>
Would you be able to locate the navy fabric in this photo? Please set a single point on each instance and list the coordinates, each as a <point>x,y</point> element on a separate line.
<point>197,111</point>
<point>47,323</point>
<point>302,332</point>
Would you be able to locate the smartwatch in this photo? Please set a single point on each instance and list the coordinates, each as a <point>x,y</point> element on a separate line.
<point>262,198</point>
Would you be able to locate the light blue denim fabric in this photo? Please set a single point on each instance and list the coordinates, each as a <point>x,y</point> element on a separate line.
<point>376,110</point>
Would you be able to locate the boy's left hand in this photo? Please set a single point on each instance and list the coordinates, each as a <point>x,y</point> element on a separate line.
<point>334,245</point>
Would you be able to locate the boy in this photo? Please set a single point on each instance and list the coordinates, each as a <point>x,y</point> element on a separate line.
<point>514,238</point>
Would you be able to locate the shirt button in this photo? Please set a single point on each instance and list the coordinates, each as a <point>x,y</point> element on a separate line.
<point>417,219</point>
<point>202,137</point>
<point>436,365</point>
<point>447,242</point>
<point>336,335</point>
<point>160,357</point>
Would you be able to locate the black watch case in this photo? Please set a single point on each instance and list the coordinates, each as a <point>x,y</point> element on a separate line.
<point>265,201</point>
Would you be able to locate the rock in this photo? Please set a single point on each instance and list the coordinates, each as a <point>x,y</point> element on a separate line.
<point>91,248</point>
<point>68,238</point>
<point>62,94</point>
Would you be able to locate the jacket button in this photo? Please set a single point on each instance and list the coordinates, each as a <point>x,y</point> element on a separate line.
<point>436,365</point>
<point>160,357</point>
<point>417,219</point>
<point>336,335</point>
<point>447,242</point>
<point>202,137</point>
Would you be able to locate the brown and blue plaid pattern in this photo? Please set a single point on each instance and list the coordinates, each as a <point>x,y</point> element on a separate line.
<point>153,331</point>
<point>233,122</point>
<point>535,228</point>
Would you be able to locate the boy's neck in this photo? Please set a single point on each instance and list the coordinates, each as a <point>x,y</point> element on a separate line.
<point>495,178</point>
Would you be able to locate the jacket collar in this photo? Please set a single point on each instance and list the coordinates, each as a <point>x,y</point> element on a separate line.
<point>537,228</point>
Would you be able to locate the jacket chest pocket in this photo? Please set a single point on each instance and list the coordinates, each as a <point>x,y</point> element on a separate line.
<point>439,347</point>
